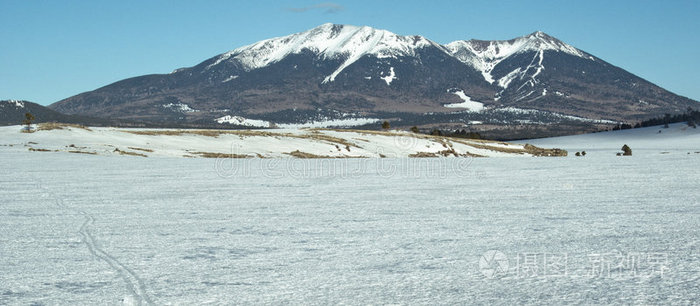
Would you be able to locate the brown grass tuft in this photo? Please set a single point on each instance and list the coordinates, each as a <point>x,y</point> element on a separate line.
<point>141,149</point>
<point>48,126</point>
<point>129,153</point>
<point>537,151</point>
<point>83,152</point>
<point>220,155</point>
<point>423,154</point>
<point>299,154</point>
<point>157,133</point>
<point>41,150</point>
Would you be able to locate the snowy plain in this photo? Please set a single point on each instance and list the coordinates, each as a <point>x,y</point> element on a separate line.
<point>270,143</point>
<point>84,229</point>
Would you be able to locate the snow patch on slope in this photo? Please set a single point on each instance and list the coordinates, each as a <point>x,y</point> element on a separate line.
<point>468,103</point>
<point>505,81</point>
<point>230,78</point>
<point>180,107</point>
<point>522,111</point>
<point>345,122</point>
<point>16,103</point>
<point>238,120</point>
<point>390,77</point>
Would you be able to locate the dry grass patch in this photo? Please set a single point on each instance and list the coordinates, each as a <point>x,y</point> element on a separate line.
<point>157,133</point>
<point>83,152</point>
<point>299,154</point>
<point>220,155</point>
<point>496,149</point>
<point>41,150</point>
<point>48,126</point>
<point>423,154</point>
<point>208,133</point>
<point>327,138</point>
<point>129,153</point>
<point>537,151</point>
<point>469,154</point>
<point>141,149</point>
<point>252,133</point>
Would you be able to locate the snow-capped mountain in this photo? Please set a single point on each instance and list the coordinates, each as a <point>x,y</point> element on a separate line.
<point>486,55</point>
<point>328,41</point>
<point>372,73</point>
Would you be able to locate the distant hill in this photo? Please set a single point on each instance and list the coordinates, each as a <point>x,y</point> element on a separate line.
<point>12,113</point>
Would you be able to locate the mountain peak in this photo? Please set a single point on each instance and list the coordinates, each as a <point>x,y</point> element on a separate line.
<point>539,34</point>
<point>484,55</point>
<point>329,41</point>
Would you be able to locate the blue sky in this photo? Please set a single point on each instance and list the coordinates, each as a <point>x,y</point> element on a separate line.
<point>51,50</point>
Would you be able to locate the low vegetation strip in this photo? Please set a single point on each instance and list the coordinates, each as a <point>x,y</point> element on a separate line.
<point>129,153</point>
<point>48,126</point>
<point>537,151</point>
<point>221,155</point>
<point>41,150</point>
<point>82,152</point>
<point>141,149</point>
<point>300,154</point>
<point>208,133</point>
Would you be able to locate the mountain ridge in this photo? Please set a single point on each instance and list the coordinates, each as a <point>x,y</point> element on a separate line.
<point>372,73</point>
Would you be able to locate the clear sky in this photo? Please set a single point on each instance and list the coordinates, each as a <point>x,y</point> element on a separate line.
<point>50,50</point>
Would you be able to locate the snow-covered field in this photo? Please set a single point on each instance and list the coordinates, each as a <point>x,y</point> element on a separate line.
<point>273,143</point>
<point>678,138</point>
<point>93,229</point>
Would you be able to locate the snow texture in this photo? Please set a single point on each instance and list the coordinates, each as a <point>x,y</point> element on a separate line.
<point>679,138</point>
<point>347,231</point>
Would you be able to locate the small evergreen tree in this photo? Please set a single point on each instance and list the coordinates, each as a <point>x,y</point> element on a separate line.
<point>28,118</point>
<point>626,151</point>
<point>386,125</point>
<point>415,129</point>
